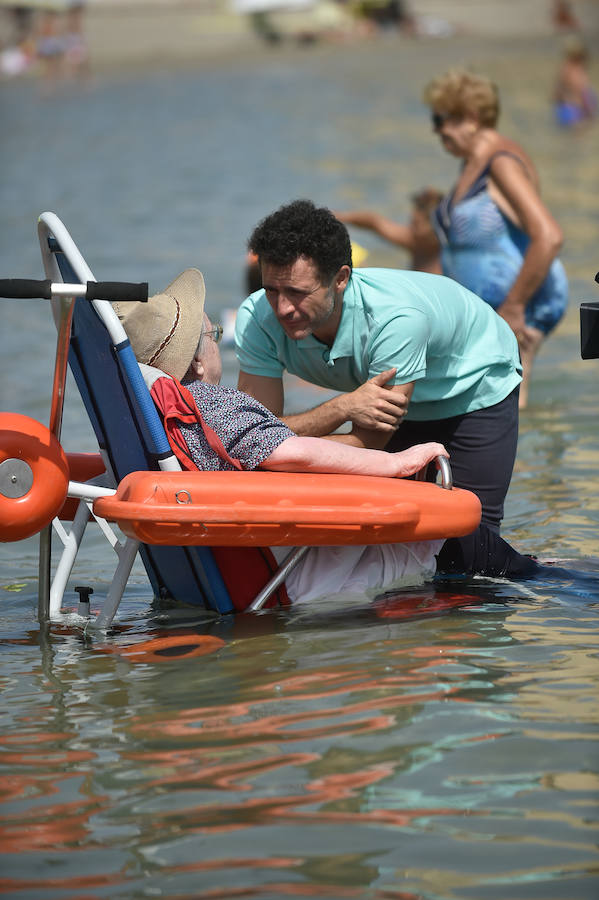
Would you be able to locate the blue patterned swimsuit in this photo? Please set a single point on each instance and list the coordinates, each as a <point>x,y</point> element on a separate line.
<point>483,250</point>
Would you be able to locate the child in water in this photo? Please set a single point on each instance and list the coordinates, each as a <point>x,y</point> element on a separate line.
<point>417,237</point>
<point>575,101</point>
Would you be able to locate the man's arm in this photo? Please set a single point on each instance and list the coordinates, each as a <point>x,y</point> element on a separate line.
<point>307,454</point>
<point>268,391</point>
<point>374,409</point>
<point>369,435</point>
<point>317,422</point>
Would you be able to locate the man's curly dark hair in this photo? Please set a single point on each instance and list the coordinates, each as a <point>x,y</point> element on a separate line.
<point>302,229</point>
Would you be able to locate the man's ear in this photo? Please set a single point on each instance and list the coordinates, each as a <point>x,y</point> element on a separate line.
<point>342,278</point>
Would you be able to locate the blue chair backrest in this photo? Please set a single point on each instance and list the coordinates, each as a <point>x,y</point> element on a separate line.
<point>186,574</point>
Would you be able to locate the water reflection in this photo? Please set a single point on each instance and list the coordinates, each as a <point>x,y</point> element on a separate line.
<point>315,733</point>
<point>409,742</point>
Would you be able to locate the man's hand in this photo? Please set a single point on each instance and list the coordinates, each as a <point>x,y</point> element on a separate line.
<point>376,405</point>
<point>375,409</point>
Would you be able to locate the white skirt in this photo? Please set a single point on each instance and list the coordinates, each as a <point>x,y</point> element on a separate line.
<point>365,571</point>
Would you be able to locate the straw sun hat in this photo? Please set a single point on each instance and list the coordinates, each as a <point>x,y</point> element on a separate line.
<point>164,332</point>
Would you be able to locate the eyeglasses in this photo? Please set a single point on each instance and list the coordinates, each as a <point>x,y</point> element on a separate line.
<point>439,119</point>
<point>215,333</point>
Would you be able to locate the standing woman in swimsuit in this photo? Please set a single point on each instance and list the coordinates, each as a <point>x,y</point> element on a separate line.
<point>497,236</point>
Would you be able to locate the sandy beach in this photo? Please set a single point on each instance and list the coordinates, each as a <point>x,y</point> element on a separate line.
<point>192,32</point>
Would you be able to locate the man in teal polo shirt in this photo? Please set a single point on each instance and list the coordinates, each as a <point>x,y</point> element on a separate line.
<point>415,357</point>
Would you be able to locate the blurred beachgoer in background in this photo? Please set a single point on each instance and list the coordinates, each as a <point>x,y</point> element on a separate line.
<point>75,43</point>
<point>575,101</point>
<point>497,236</point>
<point>301,21</point>
<point>564,17</point>
<point>22,22</point>
<point>50,46</point>
<point>18,52</point>
<point>263,26</point>
<point>378,15</point>
<point>418,237</point>
<point>51,36</point>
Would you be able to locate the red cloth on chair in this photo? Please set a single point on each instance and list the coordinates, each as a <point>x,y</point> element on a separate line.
<point>176,404</point>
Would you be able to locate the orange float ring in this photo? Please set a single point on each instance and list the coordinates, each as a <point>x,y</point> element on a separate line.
<point>34,477</point>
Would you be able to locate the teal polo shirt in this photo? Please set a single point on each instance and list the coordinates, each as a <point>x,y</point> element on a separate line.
<point>459,353</point>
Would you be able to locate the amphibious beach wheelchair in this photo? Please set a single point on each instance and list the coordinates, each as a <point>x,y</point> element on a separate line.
<point>179,522</point>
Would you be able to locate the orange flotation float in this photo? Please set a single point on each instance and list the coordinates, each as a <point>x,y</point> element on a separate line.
<point>285,509</point>
<point>34,476</point>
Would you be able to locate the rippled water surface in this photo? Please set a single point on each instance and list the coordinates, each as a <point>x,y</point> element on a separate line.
<point>438,744</point>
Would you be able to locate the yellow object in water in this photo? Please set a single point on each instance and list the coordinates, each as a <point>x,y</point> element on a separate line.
<point>358,253</point>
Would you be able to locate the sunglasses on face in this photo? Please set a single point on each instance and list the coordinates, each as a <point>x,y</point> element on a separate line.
<point>438,120</point>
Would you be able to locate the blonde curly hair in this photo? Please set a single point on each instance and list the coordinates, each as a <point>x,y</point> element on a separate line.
<point>460,93</point>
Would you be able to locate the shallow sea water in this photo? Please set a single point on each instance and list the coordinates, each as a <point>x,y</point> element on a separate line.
<point>438,743</point>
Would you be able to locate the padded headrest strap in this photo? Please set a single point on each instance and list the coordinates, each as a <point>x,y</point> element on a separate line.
<point>151,374</point>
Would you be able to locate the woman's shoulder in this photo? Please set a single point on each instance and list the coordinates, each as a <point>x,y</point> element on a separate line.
<point>492,145</point>
<point>222,401</point>
<point>505,148</point>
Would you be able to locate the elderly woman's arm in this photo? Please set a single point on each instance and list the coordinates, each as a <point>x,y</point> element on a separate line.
<point>309,454</point>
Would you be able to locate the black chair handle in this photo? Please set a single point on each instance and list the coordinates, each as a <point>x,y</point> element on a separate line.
<point>29,288</point>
